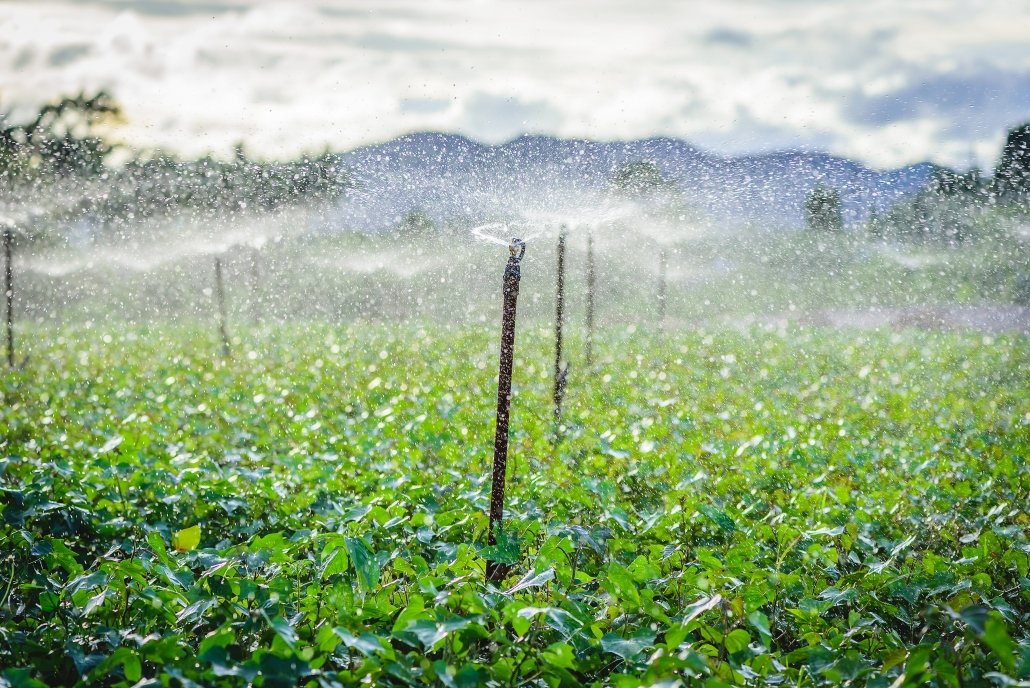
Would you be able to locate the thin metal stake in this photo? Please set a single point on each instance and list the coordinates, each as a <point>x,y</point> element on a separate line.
<point>255,285</point>
<point>663,262</point>
<point>220,298</point>
<point>560,373</point>
<point>496,571</point>
<point>9,292</point>
<point>591,282</point>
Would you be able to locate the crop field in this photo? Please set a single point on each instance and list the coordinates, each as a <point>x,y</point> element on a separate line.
<point>514,345</point>
<point>720,507</point>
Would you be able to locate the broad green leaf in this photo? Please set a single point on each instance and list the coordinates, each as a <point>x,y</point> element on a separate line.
<point>700,607</point>
<point>357,513</point>
<point>110,445</point>
<point>560,655</point>
<point>284,630</point>
<point>760,622</point>
<point>365,564</point>
<point>558,619</point>
<point>366,643</point>
<point>187,539</point>
<point>430,632</point>
<point>335,563</point>
<point>531,580</point>
<point>129,661</point>
<point>720,518</point>
<point>996,636</point>
<point>94,602</point>
<point>628,648</point>
<point>49,601</point>
<point>87,581</point>
<point>157,544</point>
<point>505,551</point>
<point>196,610</point>
<point>737,640</point>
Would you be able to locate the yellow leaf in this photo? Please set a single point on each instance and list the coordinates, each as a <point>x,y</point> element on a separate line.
<point>186,539</point>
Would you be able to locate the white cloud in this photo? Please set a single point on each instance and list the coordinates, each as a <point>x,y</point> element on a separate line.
<point>883,81</point>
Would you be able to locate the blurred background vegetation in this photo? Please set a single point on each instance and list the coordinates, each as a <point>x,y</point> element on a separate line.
<point>104,231</point>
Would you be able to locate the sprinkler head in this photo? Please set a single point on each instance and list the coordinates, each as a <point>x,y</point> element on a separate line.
<point>517,248</point>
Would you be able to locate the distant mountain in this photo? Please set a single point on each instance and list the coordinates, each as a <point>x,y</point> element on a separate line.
<point>451,177</point>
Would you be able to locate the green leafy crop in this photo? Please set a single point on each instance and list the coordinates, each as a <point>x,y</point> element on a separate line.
<point>723,508</point>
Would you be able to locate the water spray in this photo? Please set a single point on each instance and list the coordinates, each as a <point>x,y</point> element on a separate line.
<point>496,571</point>
<point>663,263</point>
<point>591,282</point>
<point>560,372</point>
<point>9,291</point>
<point>220,300</point>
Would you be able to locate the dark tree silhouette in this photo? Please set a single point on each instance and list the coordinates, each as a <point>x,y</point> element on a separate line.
<point>823,210</point>
<point>638,178</point>
<point>1021,294</point>
<point>945,210</point>
<point>64,141</point>
<point>1012,175</point>
<point>60,140</point>
<point>416,223</point>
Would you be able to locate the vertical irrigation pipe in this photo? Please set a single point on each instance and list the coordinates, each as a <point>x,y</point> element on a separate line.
<point>560,372</point>
<point>220,299</point>
<point>591,283</point>
<point>255,285</point>
<point>663,263</point>
<point>9,292</point>
<point>496,571</point>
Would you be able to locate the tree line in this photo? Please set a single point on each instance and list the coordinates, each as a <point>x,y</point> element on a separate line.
<point>949,208</point>
<point>62,146</point>
<point>63,143</point>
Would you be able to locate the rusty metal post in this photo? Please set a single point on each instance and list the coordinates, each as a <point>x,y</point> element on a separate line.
<point>560,372</point>
<point>591,282</point>
<point>220,299</point>
<point>9,292</point>
<point>663,262</point>
<point>496,571</point>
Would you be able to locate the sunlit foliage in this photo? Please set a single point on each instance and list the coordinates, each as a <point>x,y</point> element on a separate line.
<point>757,507</point>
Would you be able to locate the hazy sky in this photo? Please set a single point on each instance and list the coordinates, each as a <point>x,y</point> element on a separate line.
<point>885,81</point>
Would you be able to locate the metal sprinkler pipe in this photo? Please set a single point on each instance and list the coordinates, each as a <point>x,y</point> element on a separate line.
<point>663,262</point>
<point>9,292</point>
<point>560,373</point>
<point>591,283</point>
<point>255,285</point>
<point>496,571</point>
<point>220,298</point>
